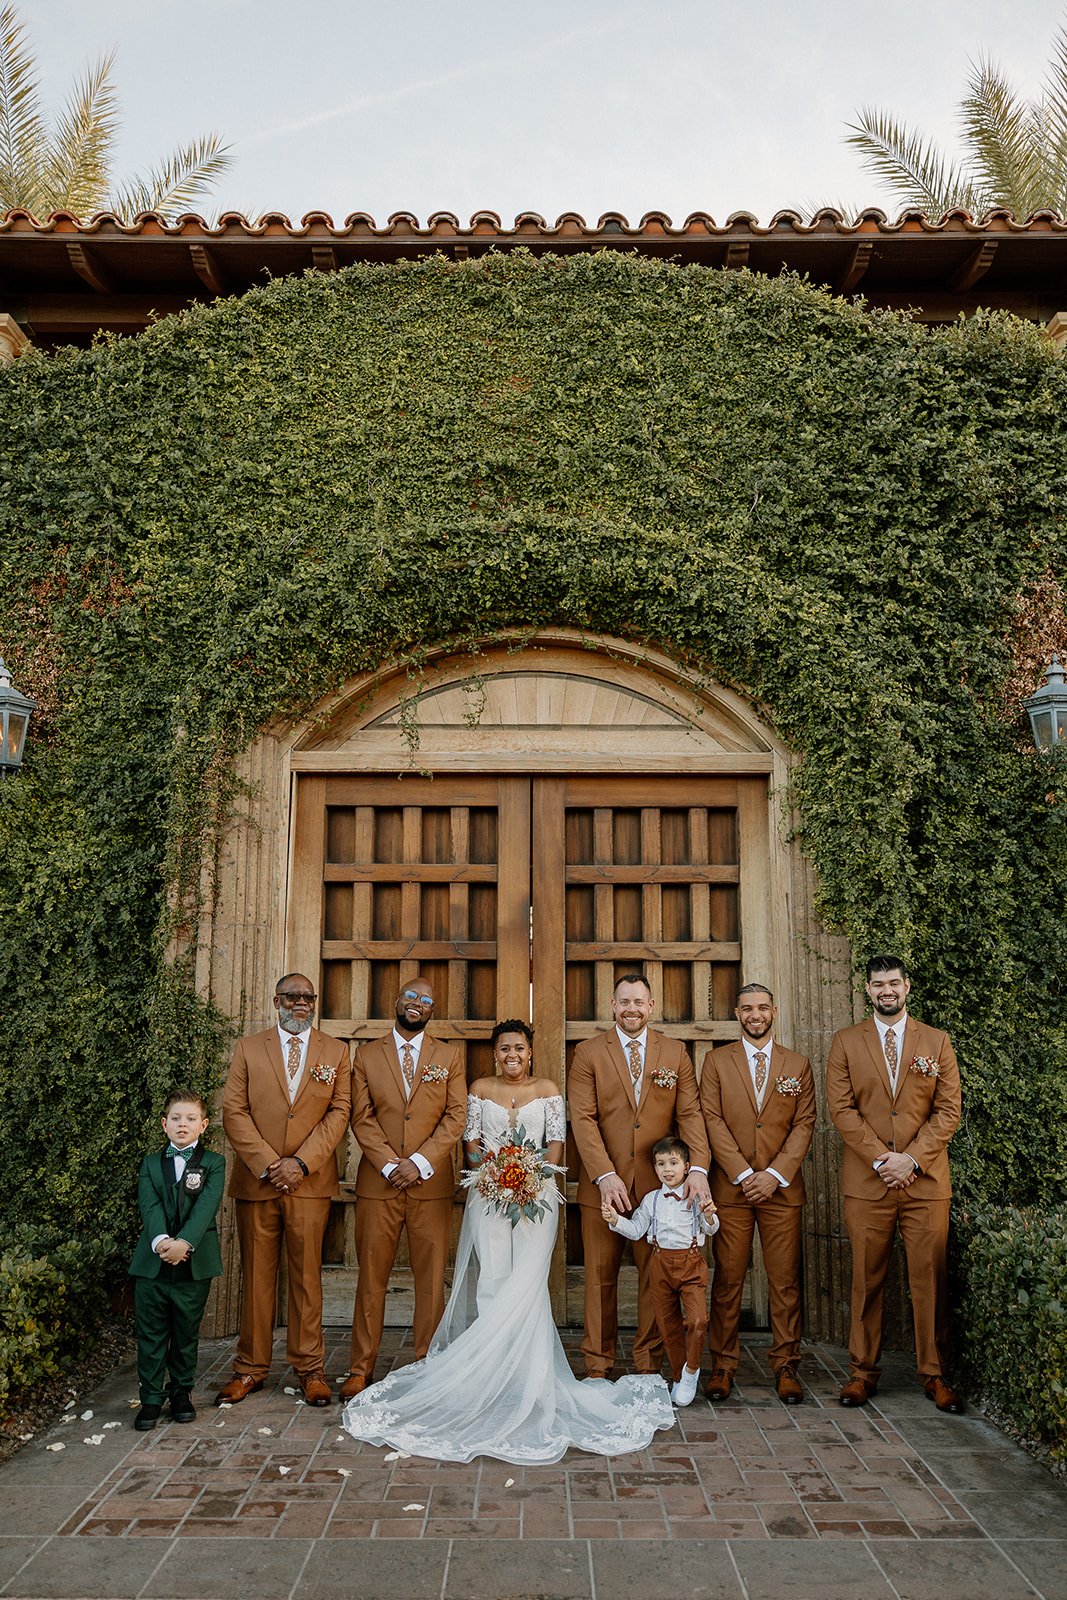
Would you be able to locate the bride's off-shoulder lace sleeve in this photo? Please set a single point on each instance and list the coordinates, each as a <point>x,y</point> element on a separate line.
<point>473,1130</point>
<point>555,1119</point>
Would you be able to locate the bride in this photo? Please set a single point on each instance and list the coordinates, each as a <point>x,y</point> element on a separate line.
<point>496,1381</point>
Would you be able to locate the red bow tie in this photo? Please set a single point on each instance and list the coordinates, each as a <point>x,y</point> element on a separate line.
<point>671,1194</point>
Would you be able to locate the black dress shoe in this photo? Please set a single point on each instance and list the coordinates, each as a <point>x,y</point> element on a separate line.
<point>181,1406</point>
<point>146,1418</point>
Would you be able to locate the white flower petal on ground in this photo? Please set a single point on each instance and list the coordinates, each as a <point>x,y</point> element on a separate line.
<point>284,1470</point>
<point>398,1455</point>
<point>508,1482</point>
<point>344,1472</point>
<point>415,1506</point>
<point>94,1438</point>
<point>87,1416</point>
<point>55,1447</point>
<point>288,1391</point>
<point>109,1425</point>
<point>264,1430</point>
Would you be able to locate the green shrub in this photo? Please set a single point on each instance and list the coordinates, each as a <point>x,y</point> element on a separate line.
<point>52,1295</point>
<point>1011,1310</point>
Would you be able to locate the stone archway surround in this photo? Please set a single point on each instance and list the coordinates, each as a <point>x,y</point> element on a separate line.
<point>554,702</point>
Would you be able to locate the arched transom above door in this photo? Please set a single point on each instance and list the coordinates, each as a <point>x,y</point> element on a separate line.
<point>556,701</point>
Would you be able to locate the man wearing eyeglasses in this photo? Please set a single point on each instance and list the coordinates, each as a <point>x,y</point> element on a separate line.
<point>409,1099</point>
<point>285,1109</point>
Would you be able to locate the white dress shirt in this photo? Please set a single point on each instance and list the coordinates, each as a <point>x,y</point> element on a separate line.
<point>641,1041</point>
<point>673,1219</point>
<point>180,1165</point>
<point>303,1039</point>
<point>751,1051</point>
<point>897,1030</point>
<point>415,1046</point>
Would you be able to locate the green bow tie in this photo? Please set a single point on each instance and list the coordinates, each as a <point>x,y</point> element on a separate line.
<point>172,1150</point>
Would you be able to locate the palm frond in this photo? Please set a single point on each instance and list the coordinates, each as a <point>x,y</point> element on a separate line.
<point>909,164</point>
<point>22,131</point>
<point>80,149</point>
<point>1004,135</point>
<point>172,186</point>
<point>1054,119</point>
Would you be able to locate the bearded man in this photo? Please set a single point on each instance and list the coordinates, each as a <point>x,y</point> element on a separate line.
<point>285,1109</point>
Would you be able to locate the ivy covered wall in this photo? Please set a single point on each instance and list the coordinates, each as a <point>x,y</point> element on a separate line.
<point>842,515</point>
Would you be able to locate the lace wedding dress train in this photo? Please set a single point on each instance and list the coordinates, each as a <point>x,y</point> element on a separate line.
<point>496,1381</point>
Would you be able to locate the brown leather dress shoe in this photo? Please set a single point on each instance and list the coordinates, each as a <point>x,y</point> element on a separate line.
<point>944,1397</point>
<point>352,1386</point>
<point>790,1390</point>
<point>857,1392</point>
<point>239,1387</point>
<point>316,1387</point>
<point>719,1384</point>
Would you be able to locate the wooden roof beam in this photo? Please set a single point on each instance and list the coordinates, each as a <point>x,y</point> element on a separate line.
<point>859,259</point>
<point>208,270</point>
<point>324,258</point>
<point>976,266</point>
<point>736,255</point>
<point>89,267</point>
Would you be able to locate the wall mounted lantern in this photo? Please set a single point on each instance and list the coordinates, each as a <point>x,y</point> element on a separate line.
<point>1048,709</point>
<point>15,711</point>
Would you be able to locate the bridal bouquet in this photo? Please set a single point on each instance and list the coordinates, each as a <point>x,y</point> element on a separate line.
<point>516,1179</point>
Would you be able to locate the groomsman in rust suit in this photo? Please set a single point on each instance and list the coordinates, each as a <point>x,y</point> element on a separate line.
<point>758,1101</point>
<point>409,1100</point>
<point>285,1109</point>
<point>893,1092</point>
<point>626,1088</point>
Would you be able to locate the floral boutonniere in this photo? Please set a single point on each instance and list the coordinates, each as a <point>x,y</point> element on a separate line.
<point>665,1077</point>
<point>432,1073</point>
<point>926,1066</point>
<point>324,1073</point>
<point>787,1086</point>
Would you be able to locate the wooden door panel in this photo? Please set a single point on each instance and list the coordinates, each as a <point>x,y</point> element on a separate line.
<point>466,879</point>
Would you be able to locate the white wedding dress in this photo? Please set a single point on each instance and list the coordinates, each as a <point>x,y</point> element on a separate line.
<point>496,1381</point>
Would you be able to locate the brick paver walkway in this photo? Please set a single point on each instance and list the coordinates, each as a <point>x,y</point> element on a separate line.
<point>743,1500</point>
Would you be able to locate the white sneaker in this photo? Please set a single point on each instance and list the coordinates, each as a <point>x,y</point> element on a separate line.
<point>684,1391</point>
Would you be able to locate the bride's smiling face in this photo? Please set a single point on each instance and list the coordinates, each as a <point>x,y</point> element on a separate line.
<point>512,1056</point>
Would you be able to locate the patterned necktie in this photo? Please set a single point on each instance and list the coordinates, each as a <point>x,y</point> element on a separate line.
<point>761,1070</point>
<point>407,1067</point>
<point>292,1066</point>
<point>635,1060</point>
<point>891,1055</point>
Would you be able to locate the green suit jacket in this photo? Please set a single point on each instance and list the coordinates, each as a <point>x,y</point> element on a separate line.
<point>194,1220</point>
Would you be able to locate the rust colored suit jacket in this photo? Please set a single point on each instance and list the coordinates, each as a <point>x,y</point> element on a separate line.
<point>777,1135</point>
<point>262,1125</point>
<point>919,1121</point>
<point>612,1132</point>
<point>388,1126</point>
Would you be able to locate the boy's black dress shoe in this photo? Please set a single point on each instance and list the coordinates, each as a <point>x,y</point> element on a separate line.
<point>181,1406</point>
<point>146,1418</point>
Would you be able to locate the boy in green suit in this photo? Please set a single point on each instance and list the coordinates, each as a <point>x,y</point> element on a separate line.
<point>179,1190</point>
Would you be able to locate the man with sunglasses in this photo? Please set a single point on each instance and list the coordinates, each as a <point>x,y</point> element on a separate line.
<point>285,1109</point>
<point>409,1100</point>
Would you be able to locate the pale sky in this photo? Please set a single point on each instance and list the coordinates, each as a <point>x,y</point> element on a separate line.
<point>547,106</point>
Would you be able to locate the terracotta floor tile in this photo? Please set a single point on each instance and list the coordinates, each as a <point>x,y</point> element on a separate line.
<point>839,1530</point>
<point>642,1530</point>
<point>303,1522</point>
<point>388,1529</point>
<point>596,1530</point>
<point>735,1530</point>
<point>690,1527</point>
<point>153,1528</point>
<point>478,1528</point>
<point>103,1525</point>
<point>346,1529</point>
<point>887,1528</point>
